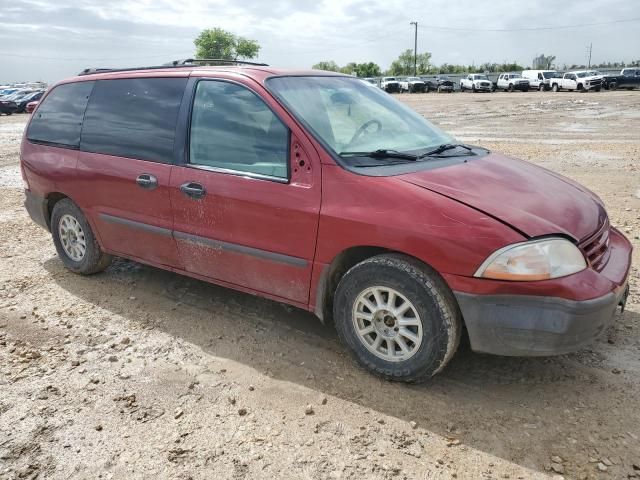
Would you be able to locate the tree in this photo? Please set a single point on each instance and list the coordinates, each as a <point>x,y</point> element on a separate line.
<point>403,65</point>
<point>218,43</point>
<point>543,62</point>
<point>328,65</point>
<point>368,69</point>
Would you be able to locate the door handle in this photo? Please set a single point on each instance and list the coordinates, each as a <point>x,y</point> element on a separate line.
<point>193,190</point>
<point>147,181</point>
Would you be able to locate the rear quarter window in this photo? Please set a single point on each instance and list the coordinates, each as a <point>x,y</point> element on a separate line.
<point>58,120</point>
<point>133,118</point>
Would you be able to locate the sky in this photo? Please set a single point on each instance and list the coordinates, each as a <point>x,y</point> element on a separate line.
<point>50,40</point>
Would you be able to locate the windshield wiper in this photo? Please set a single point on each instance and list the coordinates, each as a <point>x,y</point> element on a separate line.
<point>381,153</point>
<point>443,148</point>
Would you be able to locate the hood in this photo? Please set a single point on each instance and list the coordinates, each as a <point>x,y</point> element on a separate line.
<point>530,199</point>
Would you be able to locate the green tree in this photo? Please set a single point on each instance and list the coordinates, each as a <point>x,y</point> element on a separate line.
<point>328,65</point>
<point>403,65</point>
<point>368,69</point>
<point>543,62</point>
<point>218,43</point>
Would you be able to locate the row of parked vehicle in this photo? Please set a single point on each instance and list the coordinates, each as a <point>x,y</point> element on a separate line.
<point>20,98</point>
<point>543,80</point>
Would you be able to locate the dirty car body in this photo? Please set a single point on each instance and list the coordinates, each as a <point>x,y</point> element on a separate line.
<point>330,196</point>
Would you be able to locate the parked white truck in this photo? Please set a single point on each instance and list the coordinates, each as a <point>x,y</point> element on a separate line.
<point>512,81</point>
<point>583,80</point>
<point>412,85</point>
<point>476,82</point>
<point>390,84</point>
<point>541,79</point>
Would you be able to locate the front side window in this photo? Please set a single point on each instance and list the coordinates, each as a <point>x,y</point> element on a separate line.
<point>233,129</point>
<point>134,118</point>
<point>59,118</point>
<point>347,116</point>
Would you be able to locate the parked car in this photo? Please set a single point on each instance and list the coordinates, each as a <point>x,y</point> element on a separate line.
<point>541,79</point>
<point>512,81</point>
<point>390,84</point>
<point>24,101</point>
<point>370,81</point>
<point>476,83</point>
<point>629,78</point>
<point>439,83</point>
<point>8,107</point>
<point>412,85</point>
<point>31,106</point>
<point>583,80</point>
<point>316,190</point>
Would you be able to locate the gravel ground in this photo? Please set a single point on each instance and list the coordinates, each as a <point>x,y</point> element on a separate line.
<point>140,373</point>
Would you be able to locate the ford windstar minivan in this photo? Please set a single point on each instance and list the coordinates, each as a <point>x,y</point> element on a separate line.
<point>312,188</point>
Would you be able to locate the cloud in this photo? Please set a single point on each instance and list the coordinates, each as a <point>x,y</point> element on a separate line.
<point>51,40</point>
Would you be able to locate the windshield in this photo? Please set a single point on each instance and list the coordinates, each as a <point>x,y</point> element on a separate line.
<point>481,77</point>
<point>348,116</point>
<point>515,75</point>
<point>581,74</point>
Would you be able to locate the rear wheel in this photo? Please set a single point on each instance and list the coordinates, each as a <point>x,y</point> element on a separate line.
<point>510,87</point>
<point>74,240</point>
<point>398,317</point>
<point>613,86</point>
<point>540,87</point>
<point>555,87</point>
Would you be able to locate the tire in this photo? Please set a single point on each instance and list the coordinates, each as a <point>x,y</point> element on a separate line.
<point>510,88</point>
<point>613,86</point>
<point>436,317</point>
<point>555,88</point>
<point>473,87</point>
<point>439,90</point>
<point>581,88</point>
<point>540,87</point>
<point>93,259</point>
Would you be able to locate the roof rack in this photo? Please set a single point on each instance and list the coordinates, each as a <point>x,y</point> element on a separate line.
<point>225,61</point>
<point>187,62</point>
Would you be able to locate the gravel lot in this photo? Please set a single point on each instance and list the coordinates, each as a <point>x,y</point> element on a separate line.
<point>140,373</point>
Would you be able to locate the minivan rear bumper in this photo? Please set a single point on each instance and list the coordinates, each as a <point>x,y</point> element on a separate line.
<point>517,325</point>
<point>37,208</point>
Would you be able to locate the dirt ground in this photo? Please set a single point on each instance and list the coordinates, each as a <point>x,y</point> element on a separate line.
<point>140,373</point>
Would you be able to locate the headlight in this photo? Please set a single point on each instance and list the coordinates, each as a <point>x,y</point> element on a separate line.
<point>536,260</point>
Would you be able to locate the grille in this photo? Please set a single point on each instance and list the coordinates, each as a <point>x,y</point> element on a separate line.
<point>596,247</point>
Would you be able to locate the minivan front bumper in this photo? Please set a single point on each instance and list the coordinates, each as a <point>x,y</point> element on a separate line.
<point>548,317</point>
<point>519,325</point>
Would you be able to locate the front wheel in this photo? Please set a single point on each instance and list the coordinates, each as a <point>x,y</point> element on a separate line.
<point>398,317</point>
<point>74,240</point>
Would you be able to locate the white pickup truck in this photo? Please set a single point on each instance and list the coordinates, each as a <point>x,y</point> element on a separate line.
<point>412,85</point>
<point>476,82</point>
<point>582,80</point>
<point>390,84</point>
<point>512,81</point>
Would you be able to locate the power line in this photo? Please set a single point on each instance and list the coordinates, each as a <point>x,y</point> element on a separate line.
<point>525,29</point>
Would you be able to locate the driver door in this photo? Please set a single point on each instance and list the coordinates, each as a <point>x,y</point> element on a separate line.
<point>247,200</point>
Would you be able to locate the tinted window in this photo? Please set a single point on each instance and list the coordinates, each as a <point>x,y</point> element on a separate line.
<point>59,118</point>
<point>133,117</point>
<point>233,129</point>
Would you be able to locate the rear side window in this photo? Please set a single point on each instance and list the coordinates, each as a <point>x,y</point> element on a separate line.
<point>233,129</point>
<point>58,120</point>
<point>133,118</point>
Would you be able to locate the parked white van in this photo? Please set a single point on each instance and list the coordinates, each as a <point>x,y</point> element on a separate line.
<point>540,79</point>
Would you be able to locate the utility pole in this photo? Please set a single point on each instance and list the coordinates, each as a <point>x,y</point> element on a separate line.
<point>415,50</point>
<point>590,50</point>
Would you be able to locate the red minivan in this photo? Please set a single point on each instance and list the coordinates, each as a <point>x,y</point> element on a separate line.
<point>314,189</point>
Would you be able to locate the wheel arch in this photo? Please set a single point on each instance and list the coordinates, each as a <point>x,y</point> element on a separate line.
<point>341,264</point>
<point>52,198</point>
